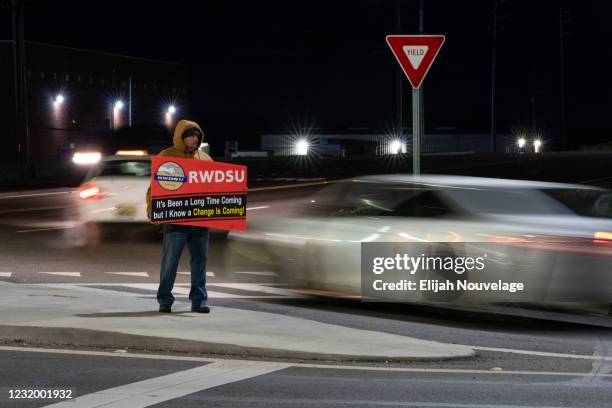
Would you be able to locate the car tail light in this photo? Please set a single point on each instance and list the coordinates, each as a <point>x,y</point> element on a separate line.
<point>90,191</point>
<point>602,237</point>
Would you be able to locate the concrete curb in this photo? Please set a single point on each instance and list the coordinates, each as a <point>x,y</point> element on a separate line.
<point>74,337</point>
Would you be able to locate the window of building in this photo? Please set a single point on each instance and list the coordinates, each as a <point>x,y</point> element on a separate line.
<point>67,78</point>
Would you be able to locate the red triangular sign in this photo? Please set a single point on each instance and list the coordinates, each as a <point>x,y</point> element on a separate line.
<point>415,53</point>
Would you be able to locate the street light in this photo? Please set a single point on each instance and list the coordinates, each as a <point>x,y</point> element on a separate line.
<point>395,147</point>
<point>301,147</point>
<point>119,105</point>
<point>537,144</point>
<point>521,142</point>
<point>59,99</point>
<point>172,109</point>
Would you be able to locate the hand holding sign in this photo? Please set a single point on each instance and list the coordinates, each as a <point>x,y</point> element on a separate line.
<point>198,193</point>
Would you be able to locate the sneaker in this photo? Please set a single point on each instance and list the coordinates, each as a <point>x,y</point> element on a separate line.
<point>165,309</point>
<point>200,309</point>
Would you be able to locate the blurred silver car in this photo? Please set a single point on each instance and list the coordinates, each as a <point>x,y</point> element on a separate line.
<point>565,229</point>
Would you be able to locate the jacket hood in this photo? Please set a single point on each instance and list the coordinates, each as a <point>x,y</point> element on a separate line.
<point>181,127</point>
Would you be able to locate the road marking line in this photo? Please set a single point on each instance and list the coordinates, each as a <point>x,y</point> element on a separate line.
<point>3,197</point>
<point>257,208</point>
<point>257,273</point>
<point>542,353</point>
<point>108,354</point>
<point>180,290</point>
<point>208,273</point>
<point>171,386</point>
<point>43,229</point>
<point>370,238</point>
<point>55,207</point>
<point>296,364</point>
<point>329,402</point>
<point>407,236</point>
<point>253,287</point>
<point>5,274</point>
<point>139,274</point>
<point>318,183</point>
<point>74,274</point>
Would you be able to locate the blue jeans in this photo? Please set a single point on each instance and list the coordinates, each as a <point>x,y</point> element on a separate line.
<point>175,237</point>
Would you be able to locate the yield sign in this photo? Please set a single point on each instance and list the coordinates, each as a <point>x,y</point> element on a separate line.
<point>415,53</point>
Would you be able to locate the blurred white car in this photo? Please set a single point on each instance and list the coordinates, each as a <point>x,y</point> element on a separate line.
<point>114,190</point>
<point>568,228</point>
<point>113,193</point>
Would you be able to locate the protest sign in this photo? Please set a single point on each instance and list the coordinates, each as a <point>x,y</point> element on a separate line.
<point>200,193</point>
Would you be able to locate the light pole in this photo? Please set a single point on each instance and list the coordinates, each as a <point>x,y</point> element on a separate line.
<point>563,19</point>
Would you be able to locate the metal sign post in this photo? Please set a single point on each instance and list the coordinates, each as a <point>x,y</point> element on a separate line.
<point>416,53</point>
<point>416,131</point>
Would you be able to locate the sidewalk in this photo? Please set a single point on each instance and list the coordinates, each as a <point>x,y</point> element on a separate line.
<point>37,314</point>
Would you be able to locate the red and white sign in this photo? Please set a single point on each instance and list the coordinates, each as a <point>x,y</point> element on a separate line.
<point>415,53</point>
<point>200,193</point>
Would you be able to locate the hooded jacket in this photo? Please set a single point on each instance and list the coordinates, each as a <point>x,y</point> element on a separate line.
<point>178,149</point>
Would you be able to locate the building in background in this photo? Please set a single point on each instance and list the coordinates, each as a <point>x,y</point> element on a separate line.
<point>76,98</point>
<point>370,144</point>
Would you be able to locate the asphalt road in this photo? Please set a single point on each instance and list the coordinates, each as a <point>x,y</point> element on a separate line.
<point>111,378</point>
<point>37,248</point>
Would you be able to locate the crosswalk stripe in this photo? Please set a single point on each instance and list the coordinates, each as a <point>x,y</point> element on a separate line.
<point>215,291</point>
<point>257,273</point>
<point>140,274</point>
<point>253,287</point>
<point>183,290</point>
<point>74,274</point>
<point>208,273</point>
<point>6,274</point>
<point>156,390</point>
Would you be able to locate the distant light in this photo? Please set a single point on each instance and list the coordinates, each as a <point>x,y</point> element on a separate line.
<point>521,142</point>
<point>395,147</point>
<point>301,147</point>
<point>536,145</point>
<point>119,105</point>
<point>172,109</point>
<point>86,158</point>
<point>59,99</point>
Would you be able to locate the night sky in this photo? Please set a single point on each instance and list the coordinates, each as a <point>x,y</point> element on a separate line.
<point>272,67</point>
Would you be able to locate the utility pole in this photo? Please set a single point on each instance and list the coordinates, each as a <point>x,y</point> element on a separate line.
<point>130,102</point>
<point>493,67</point>
<point>19,76</point>
<point>563,13</point>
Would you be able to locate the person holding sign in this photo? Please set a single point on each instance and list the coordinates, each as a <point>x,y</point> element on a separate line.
<point>187,138</point>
